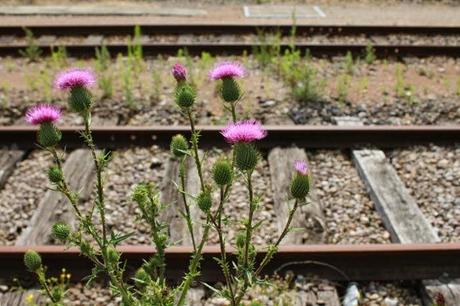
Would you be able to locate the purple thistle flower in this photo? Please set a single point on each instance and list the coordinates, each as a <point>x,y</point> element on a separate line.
<point>179,72</point>
<point>227,70</point>
<point>301,167</point>
<point>243,131</point>
<point>41,113</point>
<point>75,77</point>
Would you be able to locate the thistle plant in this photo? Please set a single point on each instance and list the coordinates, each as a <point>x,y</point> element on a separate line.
<point>149,285</point>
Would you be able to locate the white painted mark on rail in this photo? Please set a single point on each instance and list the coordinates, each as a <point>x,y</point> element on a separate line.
<point>319,11</point>
<point>282,11</point>
<point>246,11</point>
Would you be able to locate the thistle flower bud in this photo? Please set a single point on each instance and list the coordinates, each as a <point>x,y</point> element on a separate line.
<point>230,91</point>
<point>32,260</point>
<point>80,99</point>
<point>179,72</point>
<point>112,255</point>
<point>55,174</point>
<point>185,96</point>
<point>57,293</point>
<point>300,186</point>
<point>61,231</point>
<point>86,248</point>
<point>246,156</point>
<point>204,200</point>
<point>140,194</point>
<point>222,172</point>
<point>48,135</point>
<point>142,278</point>
<point>179,146</point>
<point>240,240</point>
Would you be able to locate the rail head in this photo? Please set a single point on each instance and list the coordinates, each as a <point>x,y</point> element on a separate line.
<point>307,136</point>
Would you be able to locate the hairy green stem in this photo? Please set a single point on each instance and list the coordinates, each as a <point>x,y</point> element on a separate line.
<point>188,215</point>
<point>195,264</point>
<point>271,252</point>
<point>42,281</point>
<point>223,253</point>
<point>194,142</point>
<point>233,110</point>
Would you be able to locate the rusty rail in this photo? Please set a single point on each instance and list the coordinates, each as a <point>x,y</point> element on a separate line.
<point>237,48</point>
<point>334,262</point>
<point>306,136</point>
<point>202,27</point>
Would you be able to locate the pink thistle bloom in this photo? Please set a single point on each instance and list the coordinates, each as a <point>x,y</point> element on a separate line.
<point>41,113</point>
<point>244,131</point>
<point>179,72</point>
<point>227,70</point>
<point>75,77</point>
<point>301,167</point>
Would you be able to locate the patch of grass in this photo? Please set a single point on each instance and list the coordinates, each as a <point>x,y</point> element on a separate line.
<point>105,79</point>
<point>58,57</point>
<point>343,85</point>
<point>32,51</point>
<point>348,64</point>
<point>370,57</point>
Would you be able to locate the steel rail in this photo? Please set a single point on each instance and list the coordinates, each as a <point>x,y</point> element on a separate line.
<point>238,48</point>
<point>335,262</point>
<point>203,27</point>
<point>307,136</point>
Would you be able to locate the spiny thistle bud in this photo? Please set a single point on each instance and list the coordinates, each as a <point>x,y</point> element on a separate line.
<point>142,278</point>
<point>300,184</point>
<point>61,231</point>
<point>240,240</point>
<point>179,146</point>
<point>55,174</point>
<point>204,200</point>
<point>140,194</point>
<point>185,96</point>
<point>230,90</point>
<point>80,99</point>
<point>32,260</point>
<point>222,172</point>
<point>48,135</point>
<point>246,156</point>
<point>57,293</point>
<point>112,255</point>
<point>86,248</point>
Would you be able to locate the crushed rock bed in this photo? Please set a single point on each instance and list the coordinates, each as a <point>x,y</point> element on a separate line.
<point>21,195</point>
<point>386,293</point>
<point>349,212</point>
<point>432,176</point>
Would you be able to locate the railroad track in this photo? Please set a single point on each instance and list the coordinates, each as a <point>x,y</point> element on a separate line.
<point>415,254</point>
<point>190,36</point>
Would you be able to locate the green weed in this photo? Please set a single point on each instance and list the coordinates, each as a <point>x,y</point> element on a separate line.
<point>32,51</point>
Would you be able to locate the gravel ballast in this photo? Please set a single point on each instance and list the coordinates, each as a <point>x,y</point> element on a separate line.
<point>21,195</point>
<point>432,176</point>
<point>349,212</point>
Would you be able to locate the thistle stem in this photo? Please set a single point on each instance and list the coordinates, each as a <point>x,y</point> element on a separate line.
<point>233,110</point>
<point>99,185</point>
<point>271,252</point>
<point>223,253</point>
<point>194,142</point>
<point>195,264</point>
<point>188,216</point>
